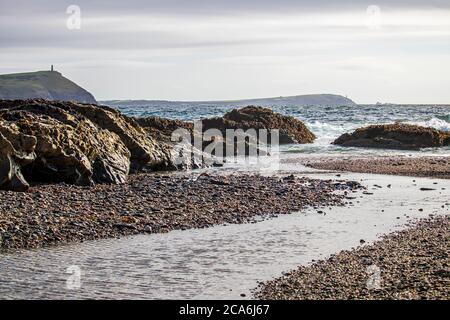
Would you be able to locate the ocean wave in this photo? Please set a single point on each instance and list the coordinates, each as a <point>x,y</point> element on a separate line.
<point>440,123</point>
<point>445,117</point>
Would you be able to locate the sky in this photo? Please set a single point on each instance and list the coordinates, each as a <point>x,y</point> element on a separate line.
<point>371,51</point>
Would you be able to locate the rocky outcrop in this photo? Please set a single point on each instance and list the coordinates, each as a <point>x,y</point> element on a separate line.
<point>83,144</point>
<point>50,141</point>
<point>184,154</point>
<point>291,129</point>
<point>161,128</point>
<point>16,150</point>
<point>146,152</point>
<point>395,136</point>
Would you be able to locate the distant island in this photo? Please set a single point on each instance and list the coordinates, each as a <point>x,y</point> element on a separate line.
<point>301,100</point>
<point>50,85</point>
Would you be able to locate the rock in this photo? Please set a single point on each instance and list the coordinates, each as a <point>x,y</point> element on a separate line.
<point>183,154</point>
<point>125,226</point>
<point>216,146</point>
<point>146,152</point>
<point>161,128</point>
<point>16,150</point>
<point>71,149</point>
<point>395,136</point>
<point>291,129</point>
<point>52,141</point>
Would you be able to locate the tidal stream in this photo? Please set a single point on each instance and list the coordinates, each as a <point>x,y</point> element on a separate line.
<point>221,262</point>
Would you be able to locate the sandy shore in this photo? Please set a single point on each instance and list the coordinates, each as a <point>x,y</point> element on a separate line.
<point>436,167</point>
<point>413,264</point>
<point>151,203</point>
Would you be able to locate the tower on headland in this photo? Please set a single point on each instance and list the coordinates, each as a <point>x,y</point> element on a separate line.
<point>52,69</point>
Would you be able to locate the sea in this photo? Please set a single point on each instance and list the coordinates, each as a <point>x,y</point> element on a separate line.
<point>327,123</point>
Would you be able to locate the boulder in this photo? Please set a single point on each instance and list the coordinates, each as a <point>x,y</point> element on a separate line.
<point>146,153</point>
<point>80,154</point>
<point>16,150</point>
<point>161,128</point>
<point>291,129</point>
<point>183,154</point>
<point>395,136</point>
<point>51,141</point>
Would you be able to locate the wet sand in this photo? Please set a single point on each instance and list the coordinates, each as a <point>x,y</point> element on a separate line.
<point>154,203</point>
<point>409,264</point>
<point>436,167</point>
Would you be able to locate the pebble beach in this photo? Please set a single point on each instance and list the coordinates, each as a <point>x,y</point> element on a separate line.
<point>152,203</point>
<point>424,166</point>
<point>411,264</point>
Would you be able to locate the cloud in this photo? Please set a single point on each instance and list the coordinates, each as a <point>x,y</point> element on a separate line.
<point>228,49</point>
<point>153,31</point>
<point>201,7</point>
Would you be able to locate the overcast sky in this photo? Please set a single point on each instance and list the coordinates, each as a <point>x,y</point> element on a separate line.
<point>388,51</point>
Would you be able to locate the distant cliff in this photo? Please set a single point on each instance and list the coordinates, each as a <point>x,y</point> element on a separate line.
<point>50,85</point>
<point>303,100</point>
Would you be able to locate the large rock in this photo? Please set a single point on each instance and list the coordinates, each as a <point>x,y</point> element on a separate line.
<point>395,136</point>
<point>74,143</point>
<point>80,153</point>
<point>16,150</point>
<point>183,154</point>
<point>161,128</point>
<point>291,129</point>
<point>146,152</point>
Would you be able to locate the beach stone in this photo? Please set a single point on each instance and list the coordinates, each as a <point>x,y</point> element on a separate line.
<point>400,136</point>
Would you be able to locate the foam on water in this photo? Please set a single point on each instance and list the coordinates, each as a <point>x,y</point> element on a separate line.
<point>436,123</point>
<point>327,123</point>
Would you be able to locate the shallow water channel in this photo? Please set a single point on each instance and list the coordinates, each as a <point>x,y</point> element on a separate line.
<point>222,262</point>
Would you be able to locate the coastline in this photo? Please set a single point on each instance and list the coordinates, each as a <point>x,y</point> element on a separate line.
<point>225,159</point>
<point>412,264</point>
<point>423,166</point>
<point>56,214</point>
<point>154,203</point>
